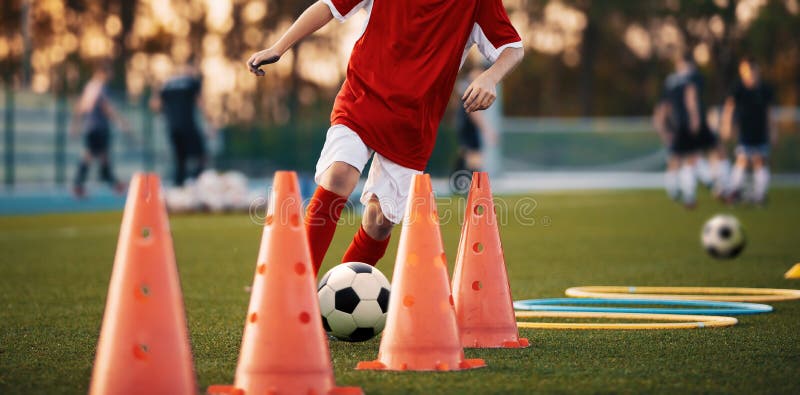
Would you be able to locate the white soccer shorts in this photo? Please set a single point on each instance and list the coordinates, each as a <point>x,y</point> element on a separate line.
<point>387,181</point>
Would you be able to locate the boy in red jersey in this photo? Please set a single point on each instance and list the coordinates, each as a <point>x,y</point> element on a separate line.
<point>400,76</point>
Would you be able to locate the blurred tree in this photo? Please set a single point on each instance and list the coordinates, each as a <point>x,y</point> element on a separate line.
<point>585,57</point>
<point>625,50</point>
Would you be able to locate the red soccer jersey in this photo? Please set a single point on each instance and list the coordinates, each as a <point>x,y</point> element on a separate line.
<point>404,65</point>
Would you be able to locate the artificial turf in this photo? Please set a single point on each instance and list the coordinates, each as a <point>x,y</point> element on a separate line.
<point>55,271</point>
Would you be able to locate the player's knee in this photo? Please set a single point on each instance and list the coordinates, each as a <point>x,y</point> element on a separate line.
<point>340,178</point>
<point>673,163</point>
<point>758,162</point>
<point>741,161</point>
<point>375,223</point>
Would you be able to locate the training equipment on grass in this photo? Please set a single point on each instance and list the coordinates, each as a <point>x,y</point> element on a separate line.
<point>481,290</point>
<point>697,307</point>
<point>793,273</point>
<point>730,294</point>
<point>723,237</point>
<point>353,300</point>
<point>675,321</point>
<point>144,342</point>
<point>284,348</point>
<point>421,329</point>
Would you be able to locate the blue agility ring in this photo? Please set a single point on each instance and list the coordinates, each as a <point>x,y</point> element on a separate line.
<point>700,307</point>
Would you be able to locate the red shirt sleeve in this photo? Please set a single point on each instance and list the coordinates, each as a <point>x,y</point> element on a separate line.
<point>493,31</point>
<point>343,9</point>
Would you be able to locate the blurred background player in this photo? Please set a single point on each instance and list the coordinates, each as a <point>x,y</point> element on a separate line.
<point>180,100</point>
<point>747,106</point>
<point>93,116</point>
<point>679,120</point>
<point>473,128</point>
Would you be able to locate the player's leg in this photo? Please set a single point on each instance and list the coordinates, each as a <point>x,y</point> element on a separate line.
<point>197,153</point>
<point>100,148</point>
<point>107,173</point>
<point>81,174</point>
<point>703,169</point>
<point>343,157</point>
<point>370,242</point>
<point>761,178</point>
<point>474,160</point>
<point>384,197</point>
<point>688,180</point>
<point>179,156</point>
<point>335,184</point>
<point>671,177</point>
<point>737,175</point>
<point>721,168</point>
<point>705,143</point>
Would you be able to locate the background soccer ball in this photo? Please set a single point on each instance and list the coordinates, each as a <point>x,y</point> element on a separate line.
<point>353,300</point>
<point>723,237</point>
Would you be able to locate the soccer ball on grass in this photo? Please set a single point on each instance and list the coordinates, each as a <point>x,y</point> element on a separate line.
<point>723,237</point>
<point>353,300</point>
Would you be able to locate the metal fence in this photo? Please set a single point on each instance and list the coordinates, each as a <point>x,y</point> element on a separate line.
<point>37,148</point>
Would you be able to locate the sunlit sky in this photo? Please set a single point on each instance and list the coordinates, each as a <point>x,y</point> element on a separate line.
<point>227,84</point>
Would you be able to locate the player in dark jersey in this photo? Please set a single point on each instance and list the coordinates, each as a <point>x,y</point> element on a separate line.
<point>679,121</point>
<point>747,112</point>
<point>94,114</point>
<point>473,130</point>
<point>180,100</point>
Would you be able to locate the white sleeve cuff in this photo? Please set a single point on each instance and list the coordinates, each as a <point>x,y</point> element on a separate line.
<point>485,45</point>
<point>517,44</point>
<point>336,14</point>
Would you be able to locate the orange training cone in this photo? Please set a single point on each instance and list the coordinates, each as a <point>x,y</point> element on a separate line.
<point>793,273</point>
<point>144,342</point>
<point>421,330</point>
<point>480,283</point>
<point>284,347</point>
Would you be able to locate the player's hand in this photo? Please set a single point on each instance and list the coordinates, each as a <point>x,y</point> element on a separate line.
<point>260,58</point>
<point>694,125</point>
<point>480,94</point>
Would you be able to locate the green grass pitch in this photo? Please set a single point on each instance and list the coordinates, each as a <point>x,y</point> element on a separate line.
<point>55,271</point>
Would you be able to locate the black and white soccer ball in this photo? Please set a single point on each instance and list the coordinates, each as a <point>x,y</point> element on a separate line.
<point>723,237</point>
<point>353,300</point>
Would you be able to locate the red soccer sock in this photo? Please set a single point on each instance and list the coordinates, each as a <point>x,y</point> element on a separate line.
<point>365,249</point>
<point>322,215</point>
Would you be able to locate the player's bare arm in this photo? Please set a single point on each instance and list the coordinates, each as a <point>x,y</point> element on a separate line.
<point>311,20</point>
<point>772,127</point>
<point>659,122</point>
<point>726,125</point>
<point>482,92</point>
<point>692,100</point>
<point>112,113</point>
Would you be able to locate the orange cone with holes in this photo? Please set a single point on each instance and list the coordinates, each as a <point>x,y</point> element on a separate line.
<point>421,330</point>
<point>144,343</point>
<point>480,283</point>
<point>284,347</point>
